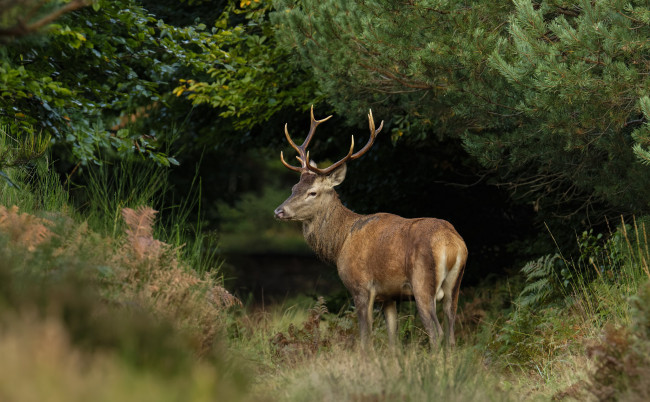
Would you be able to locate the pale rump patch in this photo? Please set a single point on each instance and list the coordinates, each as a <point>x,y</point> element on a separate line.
<point>441,274</point>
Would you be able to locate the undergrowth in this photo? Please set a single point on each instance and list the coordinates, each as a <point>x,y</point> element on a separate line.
<point>572,309</point>
<point>120,316</point>
<point>622,356</point>
<point>112,300</point>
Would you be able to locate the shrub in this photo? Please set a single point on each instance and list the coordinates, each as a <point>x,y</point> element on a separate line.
<point>131,295</point>
<point>622,356</point>
<point>300,343</point>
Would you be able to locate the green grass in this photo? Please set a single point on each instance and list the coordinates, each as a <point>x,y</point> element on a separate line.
<point>39,190</point>
<point>131,183</point>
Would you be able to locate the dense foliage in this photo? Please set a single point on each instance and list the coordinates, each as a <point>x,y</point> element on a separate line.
<point>550,96</point>
<point>87,77</point>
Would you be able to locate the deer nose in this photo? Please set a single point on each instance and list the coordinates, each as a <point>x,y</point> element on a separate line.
<point>279,213</point>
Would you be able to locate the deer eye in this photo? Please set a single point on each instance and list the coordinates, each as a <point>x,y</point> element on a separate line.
<point>312,194</point>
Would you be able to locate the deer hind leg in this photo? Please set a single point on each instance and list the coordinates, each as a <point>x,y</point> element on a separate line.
<point>426,305</point>
<point>450,287</point>
<point>424,291</point>
<point>390,314</point>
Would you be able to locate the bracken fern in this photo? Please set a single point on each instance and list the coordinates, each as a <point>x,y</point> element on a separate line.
<point>24,229</point>
<point>541,284</point>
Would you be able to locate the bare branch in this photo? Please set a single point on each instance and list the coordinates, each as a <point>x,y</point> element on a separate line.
<point>22,28</point>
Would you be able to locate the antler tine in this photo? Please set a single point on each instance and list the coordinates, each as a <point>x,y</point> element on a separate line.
<point>294,168</point>
<point>286,134</point>
<point>294,146</point>
<point>303,156</point>
<point>312,128</point>
<point>373,135</point>
<point>350,155</point>
<point>331,168</point>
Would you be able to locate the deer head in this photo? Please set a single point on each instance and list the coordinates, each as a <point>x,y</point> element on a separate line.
<point>315,190</point>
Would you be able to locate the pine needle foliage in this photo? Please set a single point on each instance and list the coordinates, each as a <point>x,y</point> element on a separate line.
<point>549,96</point>
<point>642,135</point>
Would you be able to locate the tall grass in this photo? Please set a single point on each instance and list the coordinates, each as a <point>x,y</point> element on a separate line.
<point>413,374</point>
<point>604,279</point>
<point>568,303</point>
<point>39,188</point>
<point>131,183</point>
<point>41,363</point>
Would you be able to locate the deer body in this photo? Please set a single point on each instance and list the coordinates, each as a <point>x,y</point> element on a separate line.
<point>379,257</point>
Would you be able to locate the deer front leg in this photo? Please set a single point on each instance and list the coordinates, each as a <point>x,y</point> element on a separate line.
<point>364,302</point>
<point>390,314</point>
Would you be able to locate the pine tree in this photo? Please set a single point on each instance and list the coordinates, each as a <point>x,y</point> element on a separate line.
<point>642,135</point>
<point>548,95</point>
<point>578,71</point>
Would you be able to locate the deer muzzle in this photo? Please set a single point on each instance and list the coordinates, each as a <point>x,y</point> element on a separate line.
<point>281,214</point>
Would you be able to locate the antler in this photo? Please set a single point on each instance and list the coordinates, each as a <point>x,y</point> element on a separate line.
<point>350,156</point>
<point>302,156</point>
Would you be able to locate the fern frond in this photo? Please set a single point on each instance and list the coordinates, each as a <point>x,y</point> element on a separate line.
<point>320,308</point>
<point>539,280</point>
<point>140,232</point>
<point>140,222</point>
<point>24,229</point>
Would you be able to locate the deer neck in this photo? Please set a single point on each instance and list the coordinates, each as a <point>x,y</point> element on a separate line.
<point>326,232</point>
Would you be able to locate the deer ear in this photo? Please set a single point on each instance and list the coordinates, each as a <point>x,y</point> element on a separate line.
<point>338,175</point>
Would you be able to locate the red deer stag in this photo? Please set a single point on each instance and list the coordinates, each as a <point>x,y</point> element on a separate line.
<point>380,256</point>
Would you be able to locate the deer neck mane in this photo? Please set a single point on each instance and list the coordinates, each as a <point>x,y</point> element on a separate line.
<point>328,230</point>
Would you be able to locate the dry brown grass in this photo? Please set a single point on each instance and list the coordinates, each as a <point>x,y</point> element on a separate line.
<point>622,356</point>
<point>412,374</point>
<point>302,342</point>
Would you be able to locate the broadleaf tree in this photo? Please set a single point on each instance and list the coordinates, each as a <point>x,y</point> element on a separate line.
<point>84,77</point>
